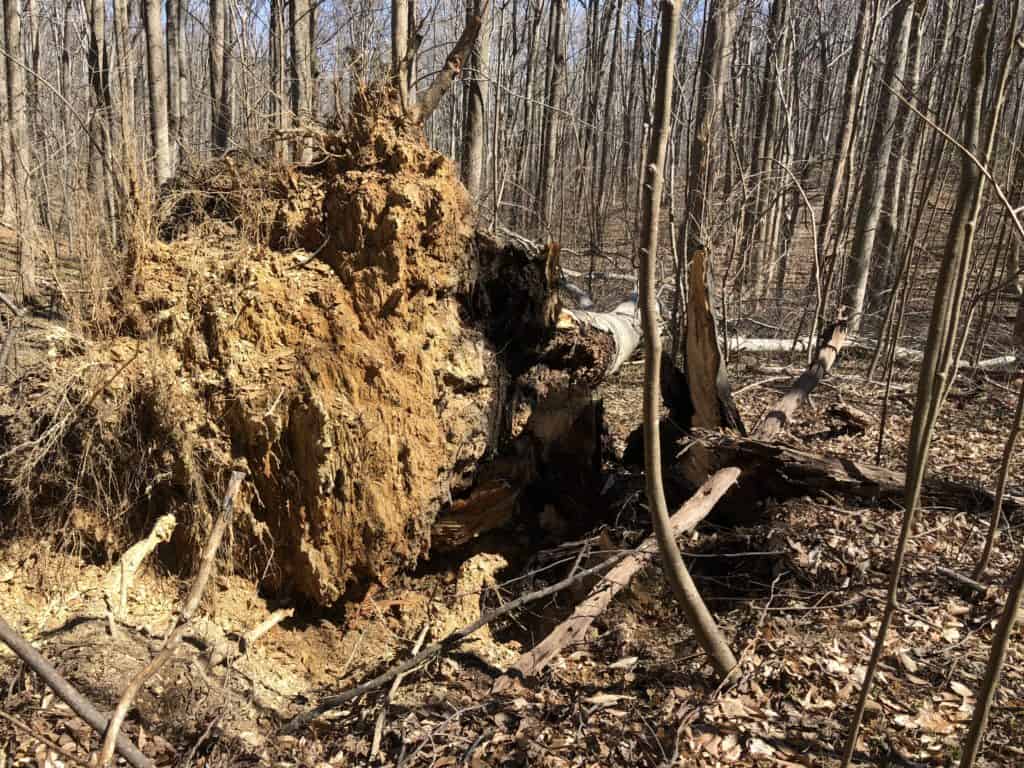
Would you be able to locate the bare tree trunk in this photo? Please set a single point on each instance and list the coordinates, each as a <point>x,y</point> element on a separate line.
<point>174,81</point>
<point>475,130</point>
<point>869,211</point>
<point>400,10</point>
<point>7,216</point>
<point>278,105</point>
<point>19,142</point>
<point>126,80</point>
<point>218,48</point>
<point>301,95</point>
<point>157,91</point>
<point>554,99</point>
<point>705,366</point>
<point>704,627</point>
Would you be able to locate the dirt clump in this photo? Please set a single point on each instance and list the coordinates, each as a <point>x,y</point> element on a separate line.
<point>310,329</point>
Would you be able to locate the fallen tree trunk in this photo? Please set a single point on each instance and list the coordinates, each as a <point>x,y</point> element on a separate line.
<point>903,354</point>
<point>775,420</point>
<point>573,629</point>
<point>772,470</point>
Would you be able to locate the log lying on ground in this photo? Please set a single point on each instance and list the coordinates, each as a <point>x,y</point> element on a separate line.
<point>775,420</point>
<point>903,354</point>
<point>573,629</point>
<point>779,471</point>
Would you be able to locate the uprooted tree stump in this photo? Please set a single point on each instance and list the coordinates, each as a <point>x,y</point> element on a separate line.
<point>386,375</point>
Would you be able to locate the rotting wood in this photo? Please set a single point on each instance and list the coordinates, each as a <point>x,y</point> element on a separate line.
<point>174,637</point>
<point>69,694</point>
<point>780,471</point>
<point>573,629</point>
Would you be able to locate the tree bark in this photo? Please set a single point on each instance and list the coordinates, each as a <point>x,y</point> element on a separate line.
<point>174,81</point>
<point>21,160</point>
<point>475,130</point>
<point>278,104</point>
<point>400,11</point>
<point>157,91</point>
<point>301,92</point>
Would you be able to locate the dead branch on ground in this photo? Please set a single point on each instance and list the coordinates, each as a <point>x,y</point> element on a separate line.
<point>174,637</point>
<point>575,627</point>
<point>446,643</point>
<point>69,694</point>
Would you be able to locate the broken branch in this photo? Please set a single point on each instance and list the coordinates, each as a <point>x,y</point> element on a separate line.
<point>68,693</point>
<point>174,637</point>
<point>773,422</point>
<point>450,641</point>
<point>419,112</point>
<point>575,627</point>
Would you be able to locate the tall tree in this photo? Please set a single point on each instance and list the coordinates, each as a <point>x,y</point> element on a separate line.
<point>174,78</point>
<point>301,23</point>
<point>18,137</point>
<point>157,91</point>
<point>474,130</point>
<point>278,104</point>
<point>869,211</point>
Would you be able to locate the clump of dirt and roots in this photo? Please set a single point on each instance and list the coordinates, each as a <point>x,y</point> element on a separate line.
<point>303,324</point>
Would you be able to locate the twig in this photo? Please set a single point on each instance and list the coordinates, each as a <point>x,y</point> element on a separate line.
<point>445,643</point>
<point>975,586</point>
<point>173,639</point>
<point>25,728</point>
<point>221,653</point>
<point>378,729</point>
<point>68,693</point>
<point>18,311</point>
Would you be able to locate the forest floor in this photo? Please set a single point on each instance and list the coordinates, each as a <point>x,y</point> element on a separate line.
<point>799,594</point>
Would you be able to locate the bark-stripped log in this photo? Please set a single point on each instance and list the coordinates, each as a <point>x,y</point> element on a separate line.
<point>903,354</point>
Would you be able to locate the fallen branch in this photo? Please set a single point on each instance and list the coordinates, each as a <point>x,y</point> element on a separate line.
<point>574,628</point>
<point>174,637</point>
<point>68,693</point>
<point>228,650</point>
<point>964,581</point>
<point>122,575</point>
<point>45,741</point>
<point>446,643</point>
<point>378,729</point>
